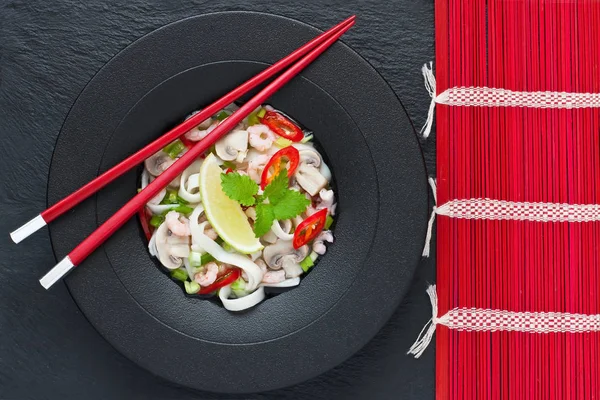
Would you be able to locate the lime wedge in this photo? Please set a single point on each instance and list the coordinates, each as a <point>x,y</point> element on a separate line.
<point>224,214</point>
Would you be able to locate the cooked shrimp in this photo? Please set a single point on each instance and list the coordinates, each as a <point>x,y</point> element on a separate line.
<point>208,276</point>
<point>256,165</point>
<point>177,224</point>
<point>326,201</point>
<point>319,243</point>
<point>199,132</point>
<point>274,276</point>
<point>210,232</point>
<point>260,137</point>
<point>262,265</point>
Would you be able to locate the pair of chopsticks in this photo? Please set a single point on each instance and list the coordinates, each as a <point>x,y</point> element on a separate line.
<point>305,55</point>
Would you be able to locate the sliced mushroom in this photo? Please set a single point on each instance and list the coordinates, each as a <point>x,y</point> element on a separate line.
<point>269,237</point>
<point>283,255</point>
<point>174,184</point>
<point>230,147</point>
<point>310,179</point>
<point>158,163</point>
<point>310,157</point>
<point>170,248</point>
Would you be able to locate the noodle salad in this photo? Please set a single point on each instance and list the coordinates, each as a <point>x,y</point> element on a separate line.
<point>253,211</point>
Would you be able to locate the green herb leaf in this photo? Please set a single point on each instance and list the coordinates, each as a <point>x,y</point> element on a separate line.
<point>229,164</point>
<point>275,190</point>
<point>264,219</point>
<point>240,188</point>
<point>292,203</point>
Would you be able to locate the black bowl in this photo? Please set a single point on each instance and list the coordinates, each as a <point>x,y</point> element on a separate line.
<point>341,304</point>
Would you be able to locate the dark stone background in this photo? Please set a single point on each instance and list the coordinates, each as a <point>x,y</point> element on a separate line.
<point>49,50</point>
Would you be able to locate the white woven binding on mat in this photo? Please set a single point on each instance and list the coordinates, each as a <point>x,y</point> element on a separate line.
<point>508,210</point>
<point>498,97</point>
<point>502,210</point>
<point>479,320</point>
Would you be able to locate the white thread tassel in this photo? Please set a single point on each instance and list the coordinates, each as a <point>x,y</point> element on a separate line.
<point>488,320</point>
<point>424,338</point>
<point>430,86</point>
<point>427,248</point>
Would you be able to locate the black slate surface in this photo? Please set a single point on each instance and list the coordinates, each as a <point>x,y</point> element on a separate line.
<point>49,50</point>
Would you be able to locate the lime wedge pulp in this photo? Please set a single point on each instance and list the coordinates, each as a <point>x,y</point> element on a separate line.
<point>224,214</point>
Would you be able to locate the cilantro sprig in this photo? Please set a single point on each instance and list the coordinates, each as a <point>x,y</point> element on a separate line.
<point>277,201</point>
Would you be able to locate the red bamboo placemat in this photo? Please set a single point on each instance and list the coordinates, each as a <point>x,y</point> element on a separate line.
<point>517,96</point>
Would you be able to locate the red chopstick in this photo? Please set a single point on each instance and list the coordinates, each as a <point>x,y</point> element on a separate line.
<point>88,245</point>
<point>98,183</point>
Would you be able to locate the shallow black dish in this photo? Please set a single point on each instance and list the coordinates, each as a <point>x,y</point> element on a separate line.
<point>381,187</point>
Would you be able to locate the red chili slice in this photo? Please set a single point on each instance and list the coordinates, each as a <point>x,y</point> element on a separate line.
<point>293,157</point>
<point>282,126</point>
<point>144,221</point>
<point>309,228</point>
<point>186,142</point>
<point>228,277</point>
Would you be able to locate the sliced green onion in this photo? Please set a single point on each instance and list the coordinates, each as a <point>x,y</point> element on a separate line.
<point>227,247</point>
<point>179,274</point>
<point>219,240</point>
<point>182,201</point>
<point>139,190</point>
<point>170,198</point>
<point>206,258</point>
<point>239,284</point>
<point>195,259</point>
<point>307,263</point>
<point>222,115</point>
<point>191,287</point>
<point>282,142</point>
<point>174,149</point>
<point>157,220</point>
<point>261,113</point>
<point>307,138</point>
<point>328,221</point>
<point>253,119</point>
<point>230,165</point>
<point>183,209</point>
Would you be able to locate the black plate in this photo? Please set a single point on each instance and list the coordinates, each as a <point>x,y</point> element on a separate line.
<point>381,187</point>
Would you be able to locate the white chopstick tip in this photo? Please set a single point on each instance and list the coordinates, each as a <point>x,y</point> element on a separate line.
<point>28,229</point>
<point>57,272</point>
